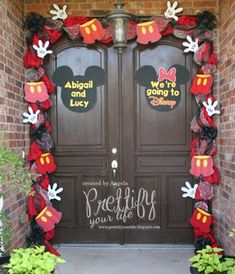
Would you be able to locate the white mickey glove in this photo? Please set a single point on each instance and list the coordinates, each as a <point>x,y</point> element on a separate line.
<point>59,13</point>
<point>31,117</point>
<point>210,108</point>
<point>191,45</point>
<point>171,11</point>
<point>189,191</point>
<point>52,192</point>
<point>42,49</point>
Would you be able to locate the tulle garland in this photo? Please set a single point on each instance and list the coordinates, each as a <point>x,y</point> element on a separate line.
<point>40,28</point>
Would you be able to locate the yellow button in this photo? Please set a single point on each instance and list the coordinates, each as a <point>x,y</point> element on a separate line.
<point>48,213</point>
<point>39,89</point>
<point>198,163</point>
<point>87,30</point>
<point>205,163</point>
<point>199,81</point>
<point>204,219</point>
<point>93,26</point>
<point>31,89</point>
<point>151,29</point>
<point>42,161</point>
<point>204,82</point>
<point>47,160</point>
<point>199,216</point>
<point>44,219</point>
<point>143,30</point>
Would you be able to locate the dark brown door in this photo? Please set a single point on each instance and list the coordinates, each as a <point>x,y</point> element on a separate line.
<point>152,151</point>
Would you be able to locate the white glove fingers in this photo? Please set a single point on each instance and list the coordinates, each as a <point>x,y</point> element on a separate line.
<point>40,43</point>
<point>189,38</point>
<point>53,12</point>
<point>59,190</point>
<point>168,4</point>
<point>178,10</point>
<point>188,184</point>
<point>184,189</point>
<point>56,7</point>
<point>174,5</point>
<point>215,104</point>
<point>46,44</point>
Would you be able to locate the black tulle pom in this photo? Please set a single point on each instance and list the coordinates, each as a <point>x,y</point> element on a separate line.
<point>201,243</point>
<point>206,20</point>
<point>34,23</point>
<point>36,234</point>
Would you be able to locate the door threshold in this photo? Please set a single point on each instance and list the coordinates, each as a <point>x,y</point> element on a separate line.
<point>127,246</point>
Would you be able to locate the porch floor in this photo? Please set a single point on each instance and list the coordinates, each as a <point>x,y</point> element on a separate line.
<point>124,259</point>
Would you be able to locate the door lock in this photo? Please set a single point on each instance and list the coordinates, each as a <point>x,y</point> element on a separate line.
<point>114,166</point>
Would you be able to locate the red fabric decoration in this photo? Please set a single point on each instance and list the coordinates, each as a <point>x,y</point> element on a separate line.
<point>204,191</point>
<point>213,59</point>
<point>198,233</point>
<point>108,36</point>
<point>201,84</point>
<point>203,53</point>
<point>49,235</point>
<point>201,165</point>
<point>32,212</point>
<point>44,181</point>
<point>75,20</point>
<point>48,217</point>
<point>201,219</point>
<point>131,31</point>
<point>50,248</point>
<point>32,60</point>
<point>45,163</point>
<point>43,106</point>
<point>72,25</point>
<point>147,32</point>
<point>48,83</point>
<point>53,34</point>
<point>168,31</point>
<point>35,91</point>
<point>187,21</point>
<point>92,31</point>
<point>36,203</point>
<point>199,146</point>
<point>214,178</point>
<point>35,152</point>
<point>48,126</point>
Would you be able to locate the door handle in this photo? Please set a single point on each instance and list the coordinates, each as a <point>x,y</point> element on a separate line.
<point>114,166</point>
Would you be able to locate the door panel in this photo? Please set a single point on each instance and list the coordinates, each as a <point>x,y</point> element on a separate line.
<point>157,145</point>
<point>152,148</point>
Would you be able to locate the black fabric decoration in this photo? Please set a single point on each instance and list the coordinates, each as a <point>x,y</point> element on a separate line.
<point>201,243</point>
<point>43,138</point>
<point>210,132</point>
<point>206,21</point>
<point>34,23</point>
<point>36,234</point>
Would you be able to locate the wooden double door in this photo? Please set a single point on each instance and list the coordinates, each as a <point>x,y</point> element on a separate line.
<point>137,198</point>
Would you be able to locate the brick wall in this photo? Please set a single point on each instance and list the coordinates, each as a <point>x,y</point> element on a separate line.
<point>226,87</point>
<point>102,7</point>
<point>11,102</point>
